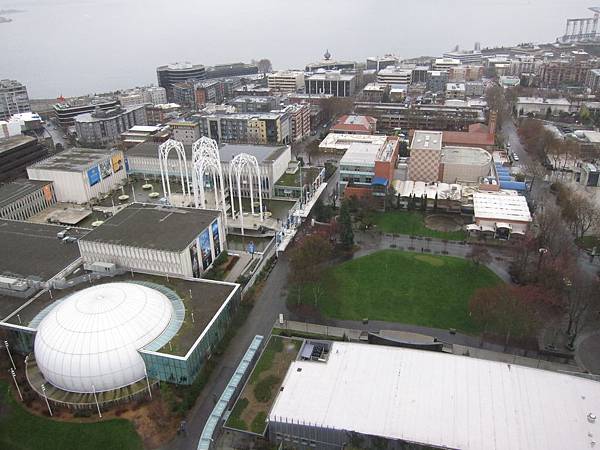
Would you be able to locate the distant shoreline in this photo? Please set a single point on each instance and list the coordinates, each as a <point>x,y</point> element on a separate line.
<point>5,19</point>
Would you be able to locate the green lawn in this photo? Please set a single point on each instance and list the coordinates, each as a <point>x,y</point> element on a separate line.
<point>589,242</point>
<point>22,430</point>
<point>395,286</point>
<point>412,223</point>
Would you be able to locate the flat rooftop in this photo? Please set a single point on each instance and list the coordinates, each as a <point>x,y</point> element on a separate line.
<point>439,400</point>
<point>466,155</point>
<point>35,250</point>
<point>361,154</point>
<point>152,226</point>
<point>11,192</point>
<point>341,141</point>
<point>426,140</point>
<point>501,206</point>
<point>75,159</point>
<point>15,141</point>
<point>543,101</point>
<point>263,153</point>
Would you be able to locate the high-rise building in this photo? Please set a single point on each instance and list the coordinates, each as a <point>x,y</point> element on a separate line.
<point>13,99</point>
<point>66,111</point>
<point>171,74</point>
<point>156,95</point>
<point>395,75</point>
<point>231,70</point>
<point>336,83</point>
<point>378,63</point>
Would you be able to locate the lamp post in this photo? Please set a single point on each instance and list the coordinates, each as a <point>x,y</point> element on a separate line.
<point>46,398</point>
<point>542,251</point>
<point>96,399</point>
<point>9,355</point>
<point>14,377</point>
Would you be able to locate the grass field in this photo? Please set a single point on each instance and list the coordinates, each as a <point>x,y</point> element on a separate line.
<point>250,410</point>
<point>412,223</point>
<point>395,286</point>
<point>20,429</point>
<point>588,242</point>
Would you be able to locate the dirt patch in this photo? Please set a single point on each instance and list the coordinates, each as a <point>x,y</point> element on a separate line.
<point>443,222</point>
<point>431,260</point>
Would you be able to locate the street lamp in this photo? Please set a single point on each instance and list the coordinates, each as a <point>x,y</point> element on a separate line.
<point>542,251</point>
<point>46,398</point>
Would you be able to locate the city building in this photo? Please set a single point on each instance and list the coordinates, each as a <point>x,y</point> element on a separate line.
<point>184,94</point>
<point>465,56</point>
<point>81,174</point>
<point>380,396</point>
<point>178,242</point>
<point>9,129</point>
<point>353,124</point>
<point>16,153</point>
<point>156,95</point>
<point>103,127</point>
<point>375,92</point>
<point>565,72</point>
<point>210,91</point>
<point>171,74</point>
<point>140,96</point>
<point>445,63</point>
<point>398,92</point>
<point>13,99</point>
<point>464,165</point>
<point>299,121</point>
<point>258,128</point>
<point>456,91</point>
<point>328,64</point>
<point>395,75</point>
<point>253,89</point>
<point>66,111</point>
<point>464,73</point>
<point>186,131</point>
<point>367,170</point>
<point>140,133</point>
<point>542,106</point>
<point>134,98</point>
<point>24,198</point>
<point>474,89</point>
<point>272,160</point>
<point>340,143</point>
<point>231,70</point>
<point>336,83</point>
<point>502,213</point>
<point>286,81</point>
<point>162,113</point>
<point>425,155</point>
<point>419,74</point>
<point>592,80</point>
<point>311,99</point>
<point>436,80</point>
<point>394,116</point>
<point>478,135</point>
<point>378,63</point>
<point>251,104</point>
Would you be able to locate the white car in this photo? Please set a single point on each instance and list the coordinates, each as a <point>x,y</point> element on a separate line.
<point>515,157</point>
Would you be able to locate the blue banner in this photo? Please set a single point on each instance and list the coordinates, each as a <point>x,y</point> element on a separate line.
<point>215,236</point>
<point>93,175</point>
<point>205,250</point>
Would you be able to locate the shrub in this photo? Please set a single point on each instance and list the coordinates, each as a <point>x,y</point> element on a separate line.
<point>259,423</point>
<point>263,389</point>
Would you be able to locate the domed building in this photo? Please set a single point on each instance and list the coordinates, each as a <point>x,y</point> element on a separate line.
<point>90,341</point>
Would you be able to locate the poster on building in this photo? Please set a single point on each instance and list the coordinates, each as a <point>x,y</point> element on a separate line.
<point>194,259</point>
<point>93,175</point>
<point>47,190</point>
<point>117,162</point>
<point>215,235</point>
<point>105,169</point>
<point>127,165</point>
<point>205,249</point>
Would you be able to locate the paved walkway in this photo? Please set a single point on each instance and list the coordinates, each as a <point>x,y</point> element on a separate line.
<point>239,268</point>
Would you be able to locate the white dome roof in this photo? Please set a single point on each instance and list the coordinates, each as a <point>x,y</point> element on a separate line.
<point>93,336</point>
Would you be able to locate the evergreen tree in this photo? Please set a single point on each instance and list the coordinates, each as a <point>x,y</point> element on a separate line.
<point>346,233</point>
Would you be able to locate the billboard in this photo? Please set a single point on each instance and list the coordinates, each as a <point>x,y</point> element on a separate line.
<point>215,235</point>
<point>105,169</point>
<point>194,259</point>
<point>93,175</point>
<point>47,192</point>
<point>117,162</point>
<point>126,165</point>
<point>205,251</point>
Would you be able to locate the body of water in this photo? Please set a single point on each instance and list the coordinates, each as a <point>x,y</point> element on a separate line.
<point>74,47</point>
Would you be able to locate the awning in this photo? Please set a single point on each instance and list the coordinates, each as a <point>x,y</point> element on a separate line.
<point>503,225</point>
<point>488,228</point>
<point>517,232</point>
<point>473,227</point>
<point>379,181</point>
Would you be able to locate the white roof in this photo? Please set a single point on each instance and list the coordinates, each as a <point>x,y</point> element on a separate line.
<point>362,154</point>
<point>592,136</point>
<point>441,400</point>
<point>93,336</point>
<point>543,101</point>
<point>144,128</point>
<point>505,206</point>
<point>426,140</point>
<point>342,141</point>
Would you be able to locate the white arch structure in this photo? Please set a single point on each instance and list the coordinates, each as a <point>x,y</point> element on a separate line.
<point>245,165</point>
<point>163,159</point>
<point>207,160</point>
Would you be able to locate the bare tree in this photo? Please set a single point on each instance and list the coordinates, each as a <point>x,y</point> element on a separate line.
<point>581,213</point>
<point>581,297</point>
<point>479,254</point>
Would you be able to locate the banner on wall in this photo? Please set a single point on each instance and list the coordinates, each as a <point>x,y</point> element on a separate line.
<point>194,259</point>
<point>93,175</point>
<point>215,235</point>
<point>126,165</point>
<point>117,163</point>
<point>47,190</point>
<point>205,249</point>
<point>105,169</point>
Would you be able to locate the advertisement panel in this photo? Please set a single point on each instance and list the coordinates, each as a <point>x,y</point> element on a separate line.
<point>93,175</point>
<point>47,192</point>
<point>194,259</point>
<point>205,251</point>
<point>117,163</point>
<point>215,235</point>
<point>127,165</point>
<point>105,169</point>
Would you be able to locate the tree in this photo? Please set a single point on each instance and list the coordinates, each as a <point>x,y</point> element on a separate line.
<point>264,65</point>
<point>583,214</point>
<point>479,254</point>
<point>305,263</point>
<point>321,212</point>
<point>511,311</point>
<point>581,296</point>
<point>346,233</point>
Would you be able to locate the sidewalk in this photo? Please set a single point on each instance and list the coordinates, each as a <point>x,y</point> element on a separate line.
<point>239,268</point>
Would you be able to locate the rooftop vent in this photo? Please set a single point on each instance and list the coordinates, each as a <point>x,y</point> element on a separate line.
<point>591,418</point>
